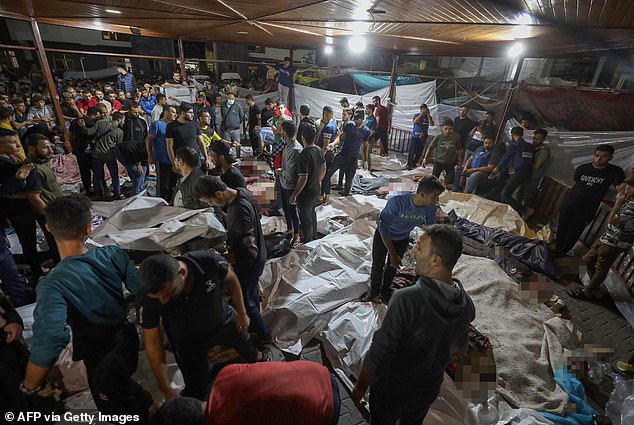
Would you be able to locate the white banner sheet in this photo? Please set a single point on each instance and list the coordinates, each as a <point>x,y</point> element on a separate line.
<point>408,100</point>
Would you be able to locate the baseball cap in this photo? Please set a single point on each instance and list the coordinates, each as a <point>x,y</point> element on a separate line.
<point>224,149</point>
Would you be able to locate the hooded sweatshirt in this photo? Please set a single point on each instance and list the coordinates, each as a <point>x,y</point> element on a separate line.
<point>422,325</point>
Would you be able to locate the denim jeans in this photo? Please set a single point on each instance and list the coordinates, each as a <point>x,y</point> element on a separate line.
<point>416,147</point>
<point>290,211</point>
<point>249,282</point>
<point>12,280</point>
<point>138,180</point>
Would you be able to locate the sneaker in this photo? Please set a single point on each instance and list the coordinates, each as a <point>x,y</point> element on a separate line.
<point>625,367</point>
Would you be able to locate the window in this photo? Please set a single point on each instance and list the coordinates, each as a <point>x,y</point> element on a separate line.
<point>115,61</point>
<point>8,57</point>
<point>63,61</point>
<point>256,49</point>
<point>114,36</point>
<point>154,64</point>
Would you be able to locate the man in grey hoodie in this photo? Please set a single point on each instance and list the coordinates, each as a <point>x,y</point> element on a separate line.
<point>424,326</point>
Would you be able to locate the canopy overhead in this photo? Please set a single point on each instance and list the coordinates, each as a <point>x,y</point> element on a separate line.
<point>433,27</point>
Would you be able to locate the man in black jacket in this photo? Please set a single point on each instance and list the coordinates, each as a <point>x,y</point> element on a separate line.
<point>424,326</point>
<point>132,150</point>
<point>188,165</point>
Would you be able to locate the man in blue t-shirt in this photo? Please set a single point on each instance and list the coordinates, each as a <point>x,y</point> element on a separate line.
<point>366,148</point>
<point>285,79</point>
<point>354,134</point>
<point>391,238</point>
<point>157,153</point>
<point>326,137</point>
<point>422,121</point>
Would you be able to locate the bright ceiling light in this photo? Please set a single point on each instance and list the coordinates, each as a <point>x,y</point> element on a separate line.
<point>242,32</point>
<point>329,40</point>
<point>113,11</point>
<point>516,50</point>
<point>328,50</point>
<point>356,44</point>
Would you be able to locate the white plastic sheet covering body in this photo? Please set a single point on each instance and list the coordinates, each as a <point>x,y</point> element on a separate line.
<point>148,224</point>
<point>312,294</point>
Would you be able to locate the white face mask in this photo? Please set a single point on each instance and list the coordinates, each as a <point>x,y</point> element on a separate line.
<point>230,102</point>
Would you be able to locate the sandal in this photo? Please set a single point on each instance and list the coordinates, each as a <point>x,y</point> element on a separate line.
<point>580,294</point>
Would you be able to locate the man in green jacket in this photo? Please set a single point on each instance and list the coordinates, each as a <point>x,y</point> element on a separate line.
<point>107,136</point>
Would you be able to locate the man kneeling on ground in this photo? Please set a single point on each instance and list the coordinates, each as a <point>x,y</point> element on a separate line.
<point>187,294</point>
<point>280,393</point>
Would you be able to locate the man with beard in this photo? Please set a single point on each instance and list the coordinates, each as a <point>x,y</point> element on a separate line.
<point>156,146</point>
<point>479,165</point>
<point>185,132</point>
<point>133,150</point>
<point>424,326</point>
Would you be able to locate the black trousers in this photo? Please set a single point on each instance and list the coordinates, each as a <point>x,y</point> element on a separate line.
<point>306,206</point>
<point>390,404</point>
<point>346,165</point>
<point>192,357</point>
<point>25,228</point>
<point>382,274</point>
<point>573,220</point>
<point>166,180</point>
<point>512,184</point>
<point>129,398</point>
<point>84,161</point>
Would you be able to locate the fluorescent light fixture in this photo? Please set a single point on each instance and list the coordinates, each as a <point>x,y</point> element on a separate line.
<point>328,50</point>
<point>113,11</point>
<point>329,40</point>
<point>356,44</point>
<point>516,50</point>
<point>242,32</point>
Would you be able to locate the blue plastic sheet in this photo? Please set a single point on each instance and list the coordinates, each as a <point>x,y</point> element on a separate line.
<point>367,83</point>
<point>584,413</point>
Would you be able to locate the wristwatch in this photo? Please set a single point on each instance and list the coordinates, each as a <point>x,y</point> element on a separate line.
<point>34,391</point>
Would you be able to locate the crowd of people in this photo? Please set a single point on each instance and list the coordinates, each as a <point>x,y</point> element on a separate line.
<point>193,149</point>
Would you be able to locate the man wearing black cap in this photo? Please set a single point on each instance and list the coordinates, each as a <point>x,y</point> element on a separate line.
<point>354,134</point>
<point>230,175</point>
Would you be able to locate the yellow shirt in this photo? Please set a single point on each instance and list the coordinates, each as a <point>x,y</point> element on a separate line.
<point>8,126</point>
<point>207,139</point>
